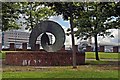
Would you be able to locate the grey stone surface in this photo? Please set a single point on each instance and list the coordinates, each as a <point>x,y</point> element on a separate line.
<point>51,27</point>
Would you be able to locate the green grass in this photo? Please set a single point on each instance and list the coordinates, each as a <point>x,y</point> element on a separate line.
<point>64,72</point>
<point>102,55</point>
<point>59,74</point>
<point>2,54</point>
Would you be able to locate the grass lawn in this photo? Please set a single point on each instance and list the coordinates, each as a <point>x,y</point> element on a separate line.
<point>102,55</point>
<point>84,71</point>
<point>60,74</point>
<point>2,54</point>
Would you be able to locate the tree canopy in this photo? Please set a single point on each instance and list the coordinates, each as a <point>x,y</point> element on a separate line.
<point>96,20</point>
<point>10,13</point>
<point>34,12</point>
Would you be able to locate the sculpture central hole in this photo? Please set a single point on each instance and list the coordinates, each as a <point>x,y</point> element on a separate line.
<point>51,38</point>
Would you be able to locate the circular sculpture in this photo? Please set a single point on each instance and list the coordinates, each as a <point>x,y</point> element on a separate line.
<point>51,27</point>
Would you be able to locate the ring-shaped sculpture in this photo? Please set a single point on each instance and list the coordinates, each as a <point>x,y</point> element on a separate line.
<point>51,27</point>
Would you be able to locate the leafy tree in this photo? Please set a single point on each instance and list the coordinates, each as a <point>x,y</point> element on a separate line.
<point>10,13</point>
<point>96,20</point>
<point>70,11</point>
<point>34,12</point>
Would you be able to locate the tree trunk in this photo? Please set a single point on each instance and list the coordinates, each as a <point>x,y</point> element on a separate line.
<point>73,43</point>
<point>96,47</point>
<point>96,44</point>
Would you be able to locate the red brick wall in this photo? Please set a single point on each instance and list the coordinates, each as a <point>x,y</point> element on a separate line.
<point>41,58</point>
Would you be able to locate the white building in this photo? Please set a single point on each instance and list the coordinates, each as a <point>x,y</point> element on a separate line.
<point>18,37</point>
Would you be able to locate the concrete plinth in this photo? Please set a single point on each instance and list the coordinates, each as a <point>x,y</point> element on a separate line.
<point>24,46</point>
<point>12,46</point>
<point>101,49</point>
<point>88,48</point>
<point>37,47</point>
<point>115,49</point>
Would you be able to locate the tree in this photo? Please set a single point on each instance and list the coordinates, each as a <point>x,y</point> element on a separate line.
<point>96,20</point>
<point>10,13</point>
<point>70,11</point>
<point>34,12</point>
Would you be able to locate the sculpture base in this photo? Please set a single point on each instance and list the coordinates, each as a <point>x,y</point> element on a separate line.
<point>41,58</point>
